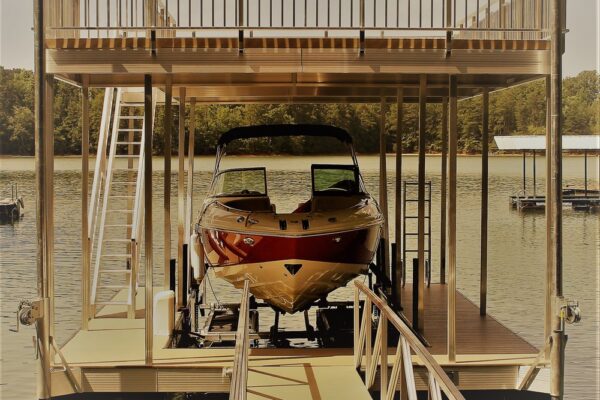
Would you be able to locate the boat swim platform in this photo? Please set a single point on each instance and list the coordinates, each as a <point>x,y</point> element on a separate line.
<point>109,357</point>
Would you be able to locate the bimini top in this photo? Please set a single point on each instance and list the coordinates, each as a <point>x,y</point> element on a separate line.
<point>258,131</point>
<point>538,142</point>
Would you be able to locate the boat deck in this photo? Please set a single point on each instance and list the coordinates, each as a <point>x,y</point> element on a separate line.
<point>109,357</point>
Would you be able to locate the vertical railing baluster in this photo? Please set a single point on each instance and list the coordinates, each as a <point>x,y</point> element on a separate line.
<point>271,13</point>
<point>466,14</point>
<point>431,10</point>
<point>259,13</point>
<point>328,13</point>
<point>386,13</point>
<point>374,13</point>
<point>340,12</point>
<point>305,13</point>
<point>397,13</point>
<point>454,11</point>
<point>212,14</point>
<point>224,11</point>
<point>282,12</point>
<point>316,13</point>
<point>478,14</point>
<point>408,12</point>
<point>294,13</point>
<point>420,13</point>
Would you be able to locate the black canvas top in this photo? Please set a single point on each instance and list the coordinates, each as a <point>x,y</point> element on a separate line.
<point>257,131</point>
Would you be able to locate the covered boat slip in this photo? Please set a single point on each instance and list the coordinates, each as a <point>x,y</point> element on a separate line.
<point>375,51</point>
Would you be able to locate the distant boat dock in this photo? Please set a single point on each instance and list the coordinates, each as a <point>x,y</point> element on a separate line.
<point>580,199</point>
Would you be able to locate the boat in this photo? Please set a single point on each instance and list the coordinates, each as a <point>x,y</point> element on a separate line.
<point>292,260</point>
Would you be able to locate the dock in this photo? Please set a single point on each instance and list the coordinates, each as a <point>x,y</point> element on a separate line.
<point>413,340</point>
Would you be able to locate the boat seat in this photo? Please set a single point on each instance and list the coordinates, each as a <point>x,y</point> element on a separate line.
<point>262,203</point>
<point>331,203</point>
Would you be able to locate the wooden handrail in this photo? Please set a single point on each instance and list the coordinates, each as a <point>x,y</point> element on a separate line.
<point>408,341</point>
<point>239,376</point>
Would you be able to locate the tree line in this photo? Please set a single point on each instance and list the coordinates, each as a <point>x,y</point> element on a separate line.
<point>518,110</point>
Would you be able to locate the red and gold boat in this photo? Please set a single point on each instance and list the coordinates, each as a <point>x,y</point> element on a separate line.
<point>291,259</point>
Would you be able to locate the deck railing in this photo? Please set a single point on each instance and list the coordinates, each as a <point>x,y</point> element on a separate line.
<point>239,375</point>
<point>480,19</point>
<point>408,343</point>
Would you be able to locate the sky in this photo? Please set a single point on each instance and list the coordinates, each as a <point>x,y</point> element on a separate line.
<point>16,36</point>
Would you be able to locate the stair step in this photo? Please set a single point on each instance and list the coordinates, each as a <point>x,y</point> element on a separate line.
<point>116,255</point>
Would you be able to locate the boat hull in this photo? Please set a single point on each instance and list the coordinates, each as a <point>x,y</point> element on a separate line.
<point>290,273</point>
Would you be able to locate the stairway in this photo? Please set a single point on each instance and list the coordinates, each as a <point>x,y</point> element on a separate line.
<point>119,204</point>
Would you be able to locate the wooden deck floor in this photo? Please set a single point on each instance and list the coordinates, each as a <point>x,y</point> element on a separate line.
<point>474,334</point>
<point>109,357</point>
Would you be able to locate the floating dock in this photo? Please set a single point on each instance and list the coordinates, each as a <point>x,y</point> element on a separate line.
<point>160,54</point>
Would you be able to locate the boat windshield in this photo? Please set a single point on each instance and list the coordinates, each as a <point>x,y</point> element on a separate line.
<point>335,179</point>
<point>240,182</point>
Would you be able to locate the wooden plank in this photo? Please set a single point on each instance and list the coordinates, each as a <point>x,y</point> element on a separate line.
<point>414,43</point>
<point>474,334</point>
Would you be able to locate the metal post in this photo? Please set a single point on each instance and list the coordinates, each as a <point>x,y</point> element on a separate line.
<point>443,190</point>
<point>585,173</point>
<point>148,257</point>
<point>548,208</point>
<point>42,192</point>
<point>168,132</point>
<point>85,239</point>
<point>421,196</point>
<point>180,198</point>
<point>383,198</point>
<point>534,174</point>
<point>397,287</point>
<point>190,188</point>
<point>524,173</point>
<point>484,203</point>
<point>558,335</point>
<point>452,169</point>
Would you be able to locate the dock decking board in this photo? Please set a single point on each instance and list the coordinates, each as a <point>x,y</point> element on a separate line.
<point>474,334</point>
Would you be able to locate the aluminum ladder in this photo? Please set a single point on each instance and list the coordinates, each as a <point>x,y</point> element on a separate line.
<point>118,187</point>
<point>410,213</point>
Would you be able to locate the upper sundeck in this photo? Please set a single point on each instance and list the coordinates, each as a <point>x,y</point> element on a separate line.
<point>299,48</point>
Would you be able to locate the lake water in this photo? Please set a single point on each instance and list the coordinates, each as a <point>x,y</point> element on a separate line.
<point>516,251</point>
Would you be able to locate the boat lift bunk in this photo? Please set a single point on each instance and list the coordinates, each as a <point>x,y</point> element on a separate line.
<point>581,199</point>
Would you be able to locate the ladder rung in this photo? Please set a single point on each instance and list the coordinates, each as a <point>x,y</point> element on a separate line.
<point>116,255</point>
<point>131,129</point>
<point>134,143</point>
<point>131,117</point>
<point>113,286</point>
<point>115,271</point>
